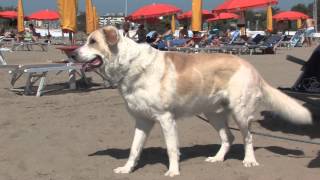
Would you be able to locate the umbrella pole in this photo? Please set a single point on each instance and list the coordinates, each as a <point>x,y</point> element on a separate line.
<point>71,38</point>
<point>48,28</point>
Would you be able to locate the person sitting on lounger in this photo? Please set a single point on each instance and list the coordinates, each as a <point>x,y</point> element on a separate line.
<point>183,33</point>
<point>28,35</point>
<point>141,33</point>
<point>35,35</point>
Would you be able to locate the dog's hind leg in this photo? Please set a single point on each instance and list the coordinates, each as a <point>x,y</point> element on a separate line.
<point>219,121</point>
<point>243,116</point>
<point>142,130</point>
<point>169,130</point>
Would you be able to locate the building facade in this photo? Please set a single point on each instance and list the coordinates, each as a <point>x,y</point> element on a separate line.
<point>115,19</point>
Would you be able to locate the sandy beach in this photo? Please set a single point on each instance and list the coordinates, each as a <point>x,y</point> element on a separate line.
<point>84,135</point>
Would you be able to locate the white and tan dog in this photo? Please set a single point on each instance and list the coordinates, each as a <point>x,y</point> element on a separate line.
<point>163,86</point>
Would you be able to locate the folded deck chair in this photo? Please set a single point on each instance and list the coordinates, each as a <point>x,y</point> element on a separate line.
<point>297,38</point>
<point>270,45</point>
<point>37,72</point>
<point>254,43</point>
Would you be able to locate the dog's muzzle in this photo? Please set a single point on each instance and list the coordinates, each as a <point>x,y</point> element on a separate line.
<point>92,64</point>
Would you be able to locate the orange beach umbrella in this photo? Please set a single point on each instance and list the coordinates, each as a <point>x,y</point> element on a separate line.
<point>20,17</point>
<point>68,14</point>
<point>196,21</point>
<point>95,18</point>
<point>90,24</point>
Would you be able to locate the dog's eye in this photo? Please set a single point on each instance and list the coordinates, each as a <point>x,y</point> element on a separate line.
<point>92,41</point>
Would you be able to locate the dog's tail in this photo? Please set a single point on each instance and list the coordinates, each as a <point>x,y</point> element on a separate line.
<point>285,106</point>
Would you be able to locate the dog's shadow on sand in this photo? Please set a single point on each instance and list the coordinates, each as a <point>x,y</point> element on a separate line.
<point>274,123</point>
<point>315,163</point>
<point>155,155</point>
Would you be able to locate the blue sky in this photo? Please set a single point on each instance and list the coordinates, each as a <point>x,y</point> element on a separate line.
<point>105,6</point>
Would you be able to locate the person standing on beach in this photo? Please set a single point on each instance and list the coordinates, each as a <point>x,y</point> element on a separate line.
<point>310,29</point>
<point>126,28</point>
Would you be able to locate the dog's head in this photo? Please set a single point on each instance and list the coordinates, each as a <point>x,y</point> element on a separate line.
<point>99,49</point>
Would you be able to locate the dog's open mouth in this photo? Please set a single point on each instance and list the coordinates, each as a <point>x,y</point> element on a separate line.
<point>92,64</point>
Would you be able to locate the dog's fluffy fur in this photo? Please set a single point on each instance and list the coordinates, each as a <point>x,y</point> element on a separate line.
<point>163,86</point>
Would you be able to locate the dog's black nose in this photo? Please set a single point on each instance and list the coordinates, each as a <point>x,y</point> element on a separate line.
<point>73,55</point>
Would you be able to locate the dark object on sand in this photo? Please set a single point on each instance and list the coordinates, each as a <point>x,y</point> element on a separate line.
<point>309,80</point>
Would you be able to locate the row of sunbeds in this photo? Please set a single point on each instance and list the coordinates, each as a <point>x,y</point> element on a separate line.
<point>262,44</point>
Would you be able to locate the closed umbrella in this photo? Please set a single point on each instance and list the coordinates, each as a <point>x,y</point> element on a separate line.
<point>90,24</point>
<point>68,14</point>
<point>299,23</point>
<point>20,17</point>
<point>60,5</point>
<point>95,18</point>
<point>196,21</point>
<point>173,24</point>
<point>269,19</point>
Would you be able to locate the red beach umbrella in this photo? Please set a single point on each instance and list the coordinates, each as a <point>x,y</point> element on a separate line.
<point>224,16</point>
<point>47,15</point>
<point>152,20</point>
<point>188,15</point>
<point>241,5</point>
<point>8,14</point>
<point>289,15</point>
<point>154,10</point>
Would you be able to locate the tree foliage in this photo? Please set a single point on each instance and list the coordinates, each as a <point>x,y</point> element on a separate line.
<point>301,8</point>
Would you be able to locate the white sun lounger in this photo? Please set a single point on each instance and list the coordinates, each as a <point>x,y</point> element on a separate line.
<point>37,72</point>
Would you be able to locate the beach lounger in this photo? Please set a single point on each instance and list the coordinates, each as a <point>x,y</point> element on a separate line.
<point>295,41</point>
<point>269,46</point>
<point>38,72</point>
<point>28,45</point>
<point>2,59</point>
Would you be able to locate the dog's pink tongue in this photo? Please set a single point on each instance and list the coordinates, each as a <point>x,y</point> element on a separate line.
<point>96,62</point>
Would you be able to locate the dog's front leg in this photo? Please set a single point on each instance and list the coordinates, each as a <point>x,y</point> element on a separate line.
<point>169,130</point>
<point>142,130</point>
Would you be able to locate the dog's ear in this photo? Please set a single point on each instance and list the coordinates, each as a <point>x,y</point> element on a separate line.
<point>111,35</point>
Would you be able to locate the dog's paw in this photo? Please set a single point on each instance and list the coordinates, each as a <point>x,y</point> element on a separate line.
<point>214,159</point>
<point>250,163</point>
<point>171,173</point>
<point>123,170</point>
